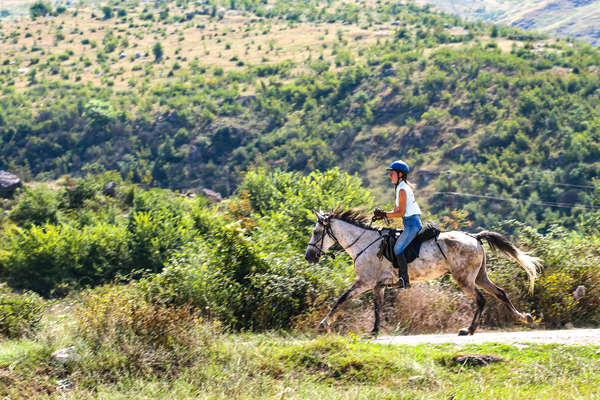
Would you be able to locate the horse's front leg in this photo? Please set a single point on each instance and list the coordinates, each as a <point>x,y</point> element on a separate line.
<point>378,296</point>
<point>356,289</point>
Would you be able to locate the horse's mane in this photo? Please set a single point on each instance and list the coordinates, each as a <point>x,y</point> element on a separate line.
<point>353,216</point>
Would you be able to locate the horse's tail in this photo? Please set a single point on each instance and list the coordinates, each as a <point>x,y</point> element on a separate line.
<point>497,242</point>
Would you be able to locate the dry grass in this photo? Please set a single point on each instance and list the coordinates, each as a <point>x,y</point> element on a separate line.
<point>424,308</point>
<point>215,43</point>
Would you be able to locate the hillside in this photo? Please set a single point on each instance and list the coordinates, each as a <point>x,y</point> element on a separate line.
<point>189,95</point>
<point>568,18</point>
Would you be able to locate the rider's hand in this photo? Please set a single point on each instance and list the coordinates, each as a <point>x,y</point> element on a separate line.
<point>378,214</point>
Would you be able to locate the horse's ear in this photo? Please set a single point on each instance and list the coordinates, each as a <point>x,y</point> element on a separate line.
<point>319,215</point>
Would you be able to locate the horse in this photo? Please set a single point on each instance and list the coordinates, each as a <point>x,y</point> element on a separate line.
<point>459,253</point>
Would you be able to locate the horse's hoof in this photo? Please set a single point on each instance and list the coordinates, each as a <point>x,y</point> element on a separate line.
<point>463,332</point>
<point>373,334</point>
<point>322,326</point>
<point>528,318</point>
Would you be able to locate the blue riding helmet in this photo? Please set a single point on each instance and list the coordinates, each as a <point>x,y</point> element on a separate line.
<point>399,165</point>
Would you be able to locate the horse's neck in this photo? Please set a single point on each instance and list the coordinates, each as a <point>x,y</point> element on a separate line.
<point>349,236</point>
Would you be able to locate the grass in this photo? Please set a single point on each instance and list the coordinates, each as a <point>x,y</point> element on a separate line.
<point>329,367</point>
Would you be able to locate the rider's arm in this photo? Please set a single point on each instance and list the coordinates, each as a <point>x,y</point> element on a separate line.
<point>400,208</point>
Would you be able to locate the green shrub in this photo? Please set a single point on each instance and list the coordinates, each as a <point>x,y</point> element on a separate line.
<point>215,277</point>
<point>251,274</point>
<point>36,206</point>
<point>569,260</point>
<point>53,258</point>
<point>20,314</point>
<point>246,292</point>
<point>158,226</point>
<point>74,196</point>
<point>40,8</point>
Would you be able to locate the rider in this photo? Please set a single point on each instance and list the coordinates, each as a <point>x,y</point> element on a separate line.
<point>407,208</point>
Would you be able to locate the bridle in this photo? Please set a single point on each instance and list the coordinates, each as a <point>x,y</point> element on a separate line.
<point>324,222</point>
<point>326,231</point>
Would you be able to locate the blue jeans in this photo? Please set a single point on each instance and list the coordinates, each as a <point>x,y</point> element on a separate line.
<point>412,226</point>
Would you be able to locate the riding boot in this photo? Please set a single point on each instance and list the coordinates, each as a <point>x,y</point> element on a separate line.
<point>403,281</point>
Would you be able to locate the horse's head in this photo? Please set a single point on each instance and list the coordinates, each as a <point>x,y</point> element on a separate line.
<point>321,239</point>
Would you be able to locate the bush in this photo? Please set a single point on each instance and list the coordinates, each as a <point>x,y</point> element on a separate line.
<point>155,235</point>
<point>53,258</point>
<point>40,8</point>
<point>20,314</point>
<point>569,260</point>
<point>74,196</point>
<point>36,206</point>
<point>215,277</point>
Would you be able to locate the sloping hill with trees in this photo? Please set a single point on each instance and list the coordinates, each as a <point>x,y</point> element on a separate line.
<point>569,18</point>
<point>143,291</point>
<point>188,95</point>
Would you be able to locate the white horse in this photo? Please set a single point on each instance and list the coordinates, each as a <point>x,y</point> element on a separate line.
<point>458,253</point>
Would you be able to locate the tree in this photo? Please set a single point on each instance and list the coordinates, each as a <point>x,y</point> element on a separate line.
<point>107,12</point>
<point>157,50</point>
<point>40,9</point>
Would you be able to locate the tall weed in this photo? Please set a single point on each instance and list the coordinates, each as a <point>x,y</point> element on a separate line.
<point>127,333</point>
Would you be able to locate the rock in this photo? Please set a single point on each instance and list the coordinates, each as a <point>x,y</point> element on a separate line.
<point>476,360</point>
<point>211,194</point>
<point>8,184</point>
<point>63,384</point>
<point>66,355</point>
<point>110,189</point>
<point>569,325</point>
<point>579,292</point>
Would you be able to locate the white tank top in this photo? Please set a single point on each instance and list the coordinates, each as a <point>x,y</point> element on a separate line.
<point>412,207</point>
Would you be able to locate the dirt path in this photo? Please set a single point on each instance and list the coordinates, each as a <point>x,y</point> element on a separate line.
<point>572,337</point>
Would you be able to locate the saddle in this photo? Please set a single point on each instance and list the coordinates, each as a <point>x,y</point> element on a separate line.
<point>390,236</point>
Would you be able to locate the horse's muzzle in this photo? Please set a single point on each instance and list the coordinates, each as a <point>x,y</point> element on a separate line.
<point>311,256</point>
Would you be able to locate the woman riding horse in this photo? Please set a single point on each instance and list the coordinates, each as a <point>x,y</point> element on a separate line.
<point>460,254</point>
<point>407,208</point>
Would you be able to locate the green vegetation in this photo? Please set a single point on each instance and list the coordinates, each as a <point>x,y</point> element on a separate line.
<point>242,264</point>
<point>283,107</point>
<point>223,263</point>
<point>40,9</point>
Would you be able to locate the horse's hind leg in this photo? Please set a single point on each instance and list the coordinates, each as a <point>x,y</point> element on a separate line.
<point>484,282</point>
<point>354,291</point>
<point>471,291</point>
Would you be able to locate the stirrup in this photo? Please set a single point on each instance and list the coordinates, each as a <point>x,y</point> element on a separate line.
<point>399,284</point>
